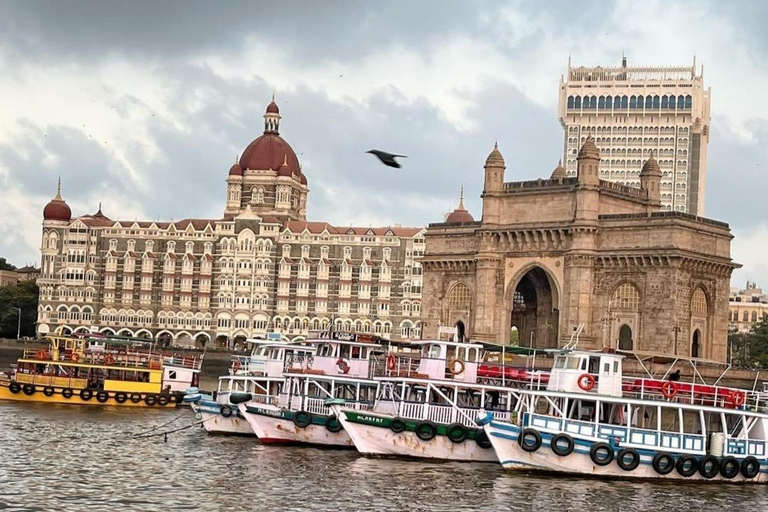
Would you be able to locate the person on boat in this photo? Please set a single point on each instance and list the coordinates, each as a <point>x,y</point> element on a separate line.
<point>675,376</point>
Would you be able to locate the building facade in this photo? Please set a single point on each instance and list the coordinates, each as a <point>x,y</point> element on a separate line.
<point>554,255</point>
<point>636,112</point>
<point>746,307</point>
<point>261,267</point>
<point>13,277</point>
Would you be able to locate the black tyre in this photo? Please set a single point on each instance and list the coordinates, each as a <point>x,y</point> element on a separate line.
<point>562,444</point>
<point>225,411</point>
<point>240,415</point>
<point>67,393</point>
<point>529,440</point>
<point>729,468</point>
<point>426,430</point>
<point>332,424</point>
<point>601,454</point>
<point>481,438</point>
<point>709,466</point>
<point>163,400</point>
<point>150,399</point>
<point>135,398</point>
<point>29,389</point>
<point>687,465</point>
<point>120,397</point>
<point>48,391</point>
<point>302,419</point>
<point>663,463</point>
<point>14,387</point>
<point>397,425</point>
<point>457,433</point>
<point>750,467</point>
<point>86,394</point>
<point>628,459</point>
<point>102,397</point>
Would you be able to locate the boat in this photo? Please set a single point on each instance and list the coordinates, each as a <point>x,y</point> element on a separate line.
<point>256,378</point>
<point>343,367</point>
<point>111,372</point>
<point>429,411</point>
<point>591,420</point>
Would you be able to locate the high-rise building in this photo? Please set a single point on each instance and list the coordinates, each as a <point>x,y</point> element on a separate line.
<point>636,112</point>
<point>261,267</point>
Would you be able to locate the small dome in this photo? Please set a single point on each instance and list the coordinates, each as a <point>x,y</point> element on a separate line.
<point>460,215</point>
<point>272,108</point>
<point>559,172</point>
<point>494,158</point>
<point>236,170</point>
<point>286,169</point>
<point>57,208</point>
<point>303,179</point>
<point>588,149</point>
<point>650,168</point>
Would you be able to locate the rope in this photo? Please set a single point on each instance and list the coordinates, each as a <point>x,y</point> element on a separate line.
<point>172,431</point>
<point>139,434</point>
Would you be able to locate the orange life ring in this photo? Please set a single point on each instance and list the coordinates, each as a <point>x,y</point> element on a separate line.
<point>109,360</point>
<point>586,382</point>
<point>343,365</point>
<point>391,363</point>
<point>235,367</point>
<point>75,357</point>
<point>452,366</point>
<point>669,389</point>
<point>738,398</point>
<point>41,354</point>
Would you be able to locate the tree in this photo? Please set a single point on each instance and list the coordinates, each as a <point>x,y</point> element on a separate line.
<point>4,265</point>
<point>23,295</point>
<point>751,348</point>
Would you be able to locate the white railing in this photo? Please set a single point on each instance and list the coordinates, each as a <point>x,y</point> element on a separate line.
<point>445,414</point>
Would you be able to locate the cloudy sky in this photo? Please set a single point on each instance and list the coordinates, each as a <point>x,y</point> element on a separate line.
<point>143,106</point>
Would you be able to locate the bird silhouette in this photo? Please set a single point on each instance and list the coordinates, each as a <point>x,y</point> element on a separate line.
<point>387,159</point>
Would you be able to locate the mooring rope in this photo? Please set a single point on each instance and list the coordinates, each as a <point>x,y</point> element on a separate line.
<point>145,436</point>
<point>139,434</point>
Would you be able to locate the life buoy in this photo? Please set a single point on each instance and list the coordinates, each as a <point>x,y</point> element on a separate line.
<point>481,438</point>
<point>601,454</point>
<point>67,393</point>
<point>162,400</point>
<point>738,398</point>
<point>561,444</point>
<point>86,394</point>
<point>391,362</point>
<point>75,357</point>
<point>586,382</point>
<point>750,467</point>
<point>397,425</point>
<point>663,463</point>
<point>456,433</point>
<point>41,354</point>
<point>709,466</point>
<point>102,397</point>
<point>48,391</point>
<point>302,419</point>
<point>729,467</point>
<point>14,387</point>
<point>426,430</point>
<point>120,397</point>
<point>669,389</point>
<point>109,360</point>
<point>150,399</point>
<point>451,366</point>
<point>332,424</point>
<point>29,389</point>
<point>687,465</point>
<point>529,440</point>
<point>135,397</point>
<point>235,367</point>
<point>343,365</point>
<point>225,411</point>
<point>628,459</point>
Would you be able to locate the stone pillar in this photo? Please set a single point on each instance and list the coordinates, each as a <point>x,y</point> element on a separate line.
<point>489,298</point>
<point>577,300</point>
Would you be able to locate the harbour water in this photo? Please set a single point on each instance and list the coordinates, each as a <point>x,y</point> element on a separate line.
<point>72,459</point>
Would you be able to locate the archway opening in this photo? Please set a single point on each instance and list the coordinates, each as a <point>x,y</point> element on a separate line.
<point>533,310</point>
<point>460,331</point>
<point>625,338</point>
<point>695,343</point>
<point>164,340</point>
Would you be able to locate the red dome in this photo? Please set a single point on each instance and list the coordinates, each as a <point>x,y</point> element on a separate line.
<point>303,179</point>
<point>57,209</point>
<point>459,217</point>
<point>236,170</point>
<point>272,108</point>
<point>269,152</point>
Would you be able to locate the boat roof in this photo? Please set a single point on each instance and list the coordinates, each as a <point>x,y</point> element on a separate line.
<point>448,343</point>
<point>655,357</point>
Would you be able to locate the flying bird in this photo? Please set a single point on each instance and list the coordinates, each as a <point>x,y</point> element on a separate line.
<point>387,159</point>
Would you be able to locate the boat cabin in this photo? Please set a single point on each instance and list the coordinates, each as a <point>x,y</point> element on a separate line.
<point>346,354</point>
<point>584,372</point>
<point>448,360</point>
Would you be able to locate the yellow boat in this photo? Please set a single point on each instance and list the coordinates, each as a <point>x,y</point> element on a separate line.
<point>71,372</point>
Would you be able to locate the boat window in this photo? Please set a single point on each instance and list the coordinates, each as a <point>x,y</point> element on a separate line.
<point>607,369</point>
<point>594,365</point>
<point>472,355</point>
<point>433,351</point>
<point>356,352</point>
<point>344,351</point>
<point>670,421</point>
<point>325,349</point>
<point>172,375</point>
<point>560,362</point>
<point>691,422</point>
<point>615,367</point>
<point>575,363</point>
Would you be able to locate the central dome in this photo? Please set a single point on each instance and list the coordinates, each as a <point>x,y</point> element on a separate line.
<point>270,151</point>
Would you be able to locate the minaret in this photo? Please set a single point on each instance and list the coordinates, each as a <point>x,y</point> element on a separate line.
<point>650,180</point>
<point>588,163</point>
<point>494,185</point>
<point>234,189</point>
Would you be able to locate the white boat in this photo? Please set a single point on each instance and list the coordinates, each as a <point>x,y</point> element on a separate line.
<point>430,411</point>
<point>590,420</point>
<point>342,367</point>
<point>258,379</point>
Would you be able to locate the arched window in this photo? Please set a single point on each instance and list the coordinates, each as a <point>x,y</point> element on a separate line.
<point>601,102</point>
<point>460,297</point>
<point>665,102</point>
<point>745,316</point>
<point>688,101</point>
<point>649,102</point>
<point>570,101</point>
<point>633,101</point>
<point>699,303</point>
<point>656,101</point>
<point>608,102</point>
<point>626,296</point>
<point>681,102</point>
<point>754,316</point>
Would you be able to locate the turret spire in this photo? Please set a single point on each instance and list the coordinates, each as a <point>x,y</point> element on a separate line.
<point>58,189</point>
<point>461,199</point>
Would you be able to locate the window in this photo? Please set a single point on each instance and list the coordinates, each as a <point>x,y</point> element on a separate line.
<point>460,297</point>
<point>754,316</point>
<point>745,316</point>
<point>699,303</point>
<point>626,296</point>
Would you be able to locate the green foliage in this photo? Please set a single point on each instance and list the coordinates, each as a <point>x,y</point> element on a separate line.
<point>24,296</point>
<point>4,265</point>
<point>513,337</point>
<point>751,348</point>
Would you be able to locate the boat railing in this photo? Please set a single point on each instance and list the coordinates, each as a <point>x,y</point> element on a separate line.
<point>188,362</point>
<point>516,376</point>
<point>445,414</point>
<point>742,447</point>
<point>50,380</point>
<point>317,406</point>
<point>100,358</point>
<point>403,365</point>
<point>696,394</point>
<point>297,362</point>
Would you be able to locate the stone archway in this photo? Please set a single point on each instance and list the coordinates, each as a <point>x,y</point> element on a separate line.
<point>534,310</point>
<point>696,343</point>
<point>625,338</point>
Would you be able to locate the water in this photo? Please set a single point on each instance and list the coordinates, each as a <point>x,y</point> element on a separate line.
<point>76,458</point>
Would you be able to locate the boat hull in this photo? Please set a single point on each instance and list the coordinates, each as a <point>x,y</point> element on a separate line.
<point>215,422</point>
<point>373,437</point>
<point>504,437</point>
<point>132,399</point>
<point>275,425</point>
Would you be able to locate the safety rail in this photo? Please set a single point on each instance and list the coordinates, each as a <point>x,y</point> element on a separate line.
<point>99,358</point>
<point>188,362</point>
<point>697,394</point>
<point>50,380</point>
<point>317,406</point>
<point>397,365</point>
<point>518,377</point>
<point>446,414</point>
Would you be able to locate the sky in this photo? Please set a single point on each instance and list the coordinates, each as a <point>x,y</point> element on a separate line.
<point>143,106</point>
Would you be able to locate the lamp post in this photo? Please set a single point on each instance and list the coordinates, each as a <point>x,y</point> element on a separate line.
<point>676,329</point>
<point>18,328</point>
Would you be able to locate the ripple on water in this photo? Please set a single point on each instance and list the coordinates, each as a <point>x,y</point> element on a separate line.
<point>74,458</point>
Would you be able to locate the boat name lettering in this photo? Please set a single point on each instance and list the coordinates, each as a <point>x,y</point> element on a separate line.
<point>371,419</point>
